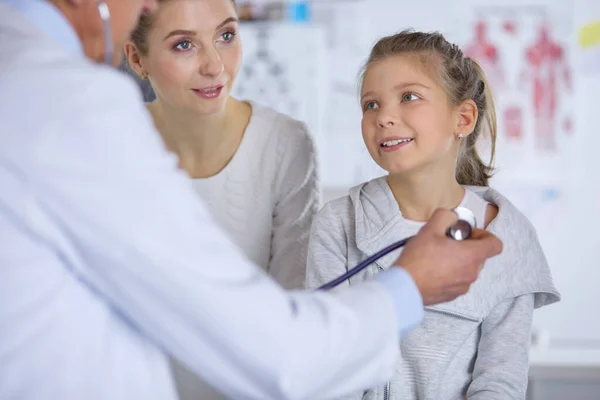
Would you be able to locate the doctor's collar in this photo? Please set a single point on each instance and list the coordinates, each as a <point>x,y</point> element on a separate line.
<point>50,21</point>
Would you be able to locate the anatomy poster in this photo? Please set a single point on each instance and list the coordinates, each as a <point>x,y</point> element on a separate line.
<point>526,52</point>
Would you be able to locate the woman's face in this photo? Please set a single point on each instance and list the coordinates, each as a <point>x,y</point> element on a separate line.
<point>194,53</point>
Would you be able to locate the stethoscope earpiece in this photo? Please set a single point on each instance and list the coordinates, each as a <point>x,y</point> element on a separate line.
<point>104,12</point>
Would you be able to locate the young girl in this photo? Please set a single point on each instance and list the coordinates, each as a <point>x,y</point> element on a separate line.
<point>254,167</point>
<point>425,106</point>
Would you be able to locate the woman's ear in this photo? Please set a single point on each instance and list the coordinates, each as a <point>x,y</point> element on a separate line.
<point>467,117</point>
<point>134,59</point>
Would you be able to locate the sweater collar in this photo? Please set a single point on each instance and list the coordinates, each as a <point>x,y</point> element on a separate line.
<point>377,215</point>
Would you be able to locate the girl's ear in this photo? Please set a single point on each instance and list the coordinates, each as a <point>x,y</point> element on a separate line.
<point>467,117</point>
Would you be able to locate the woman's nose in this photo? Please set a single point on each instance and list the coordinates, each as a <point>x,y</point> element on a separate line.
<point>212,65</point>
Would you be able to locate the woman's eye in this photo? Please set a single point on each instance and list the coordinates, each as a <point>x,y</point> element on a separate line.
<point>409,97</point>
<point>183,45</point>
<point>228,36</point>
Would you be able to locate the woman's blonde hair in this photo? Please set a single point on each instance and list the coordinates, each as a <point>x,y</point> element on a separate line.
<point>463,78</point>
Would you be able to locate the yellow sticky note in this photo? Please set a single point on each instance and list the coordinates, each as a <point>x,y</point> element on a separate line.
<point>589,35</point>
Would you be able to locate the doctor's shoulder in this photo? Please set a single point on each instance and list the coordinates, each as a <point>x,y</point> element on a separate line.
<point>92,81</point>
<point>93,97</point>
<point>107,105</point>
<point>77,89</point>
<point>70,81</point>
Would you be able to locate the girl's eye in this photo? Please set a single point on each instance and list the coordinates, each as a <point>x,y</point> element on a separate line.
<point>409,97</point>
<point>183,45</point>
<point>370,105</point>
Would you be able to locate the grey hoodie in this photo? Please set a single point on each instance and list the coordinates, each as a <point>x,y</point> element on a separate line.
<point>474,347</point>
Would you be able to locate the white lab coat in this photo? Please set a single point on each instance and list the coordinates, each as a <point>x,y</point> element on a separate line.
<point>108,260</point>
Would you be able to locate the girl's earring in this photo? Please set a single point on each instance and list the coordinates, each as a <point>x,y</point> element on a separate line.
<point>144,75</point>
<point>460,135</point>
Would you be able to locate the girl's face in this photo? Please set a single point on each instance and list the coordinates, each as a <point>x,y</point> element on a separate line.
<point>194,53</point>
<point>408,122</point>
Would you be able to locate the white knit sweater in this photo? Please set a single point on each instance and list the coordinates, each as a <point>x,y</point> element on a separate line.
<point>266,198</point>
<point>267,195</point>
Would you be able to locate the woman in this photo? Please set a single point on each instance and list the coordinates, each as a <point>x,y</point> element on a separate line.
<point>253,166</point>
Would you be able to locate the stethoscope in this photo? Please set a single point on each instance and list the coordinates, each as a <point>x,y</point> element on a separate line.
<point>104,12</point>
<point>459,231</point>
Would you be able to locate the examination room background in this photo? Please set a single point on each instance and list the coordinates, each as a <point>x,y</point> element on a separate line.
<point>303,58</point>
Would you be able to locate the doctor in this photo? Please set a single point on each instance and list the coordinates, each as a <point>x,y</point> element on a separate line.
<point>108,262</point>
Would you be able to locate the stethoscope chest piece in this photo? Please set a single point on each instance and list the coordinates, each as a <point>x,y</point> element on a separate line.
<point>464,226</point>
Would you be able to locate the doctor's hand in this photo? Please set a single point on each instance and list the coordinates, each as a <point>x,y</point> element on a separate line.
<point>444,268</point>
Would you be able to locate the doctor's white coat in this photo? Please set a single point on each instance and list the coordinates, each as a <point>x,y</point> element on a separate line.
<point>108,261</point>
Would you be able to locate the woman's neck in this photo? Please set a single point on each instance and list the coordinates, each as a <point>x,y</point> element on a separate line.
<point>420,193</point>
<point>205,144</point>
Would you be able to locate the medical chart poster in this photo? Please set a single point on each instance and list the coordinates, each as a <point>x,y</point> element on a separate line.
<point>276,71</point>
<point>527,53</point>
